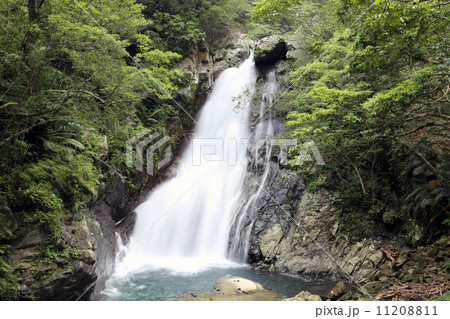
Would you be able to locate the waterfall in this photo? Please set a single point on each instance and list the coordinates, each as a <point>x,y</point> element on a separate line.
<point>121,249</point>
<point>184,223</point>
<point>242,223</point>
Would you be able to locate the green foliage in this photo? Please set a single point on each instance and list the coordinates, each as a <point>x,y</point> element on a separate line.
<point>373,99</point>
<point>177,25</point>
<point>8,283</point>
<point>68,89</point>
<point>257,30</point>
<point>268,10</point>
<point>294,19</point>
<point>75,253</point>
<point>175,33</point>
<point>51,222</point>
<point>77,80</point>
<point>444,297</point>
<point>446,265</point>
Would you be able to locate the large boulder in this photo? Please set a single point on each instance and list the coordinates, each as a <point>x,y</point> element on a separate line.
<point>61,271</point>
<point>231,285</point>
<point>339,289</point>
<point>270,50</point>
<point>304,296</point>
<point>270,241</point>
<point>279,244</point>
<point>232,288</point>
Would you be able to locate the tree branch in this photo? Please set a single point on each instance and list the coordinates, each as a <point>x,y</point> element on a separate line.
<point>81,91</point>
<point>32,14</point>
<point>37,123</point>
<point>9,104</point>
<point>417,129</point>
<point>359,176</point>
<point>420,157</point>
<point>445,117</point>
<point>441,4</point>
<point>360,179</point>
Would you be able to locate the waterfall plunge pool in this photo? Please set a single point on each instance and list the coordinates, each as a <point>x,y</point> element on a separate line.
<point>163,283</point>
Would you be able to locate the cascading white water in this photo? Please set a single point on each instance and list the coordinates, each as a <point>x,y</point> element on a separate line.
<point>184,229</point>
<point>243,219</point>
<point>184,224</point>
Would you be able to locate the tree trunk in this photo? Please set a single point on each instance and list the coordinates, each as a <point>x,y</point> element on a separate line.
<point>32,14</point>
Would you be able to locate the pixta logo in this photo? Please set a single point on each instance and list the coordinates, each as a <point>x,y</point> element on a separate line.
<point>304,156</point>
<point>147,143</point>
<point>218,149</point>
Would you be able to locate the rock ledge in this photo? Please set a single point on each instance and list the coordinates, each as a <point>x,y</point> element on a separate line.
<point>270,50</point>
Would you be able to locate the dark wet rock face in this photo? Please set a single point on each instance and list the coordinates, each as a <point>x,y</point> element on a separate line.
<point>276,206</point>
<point>117,198</point>
<point>105,239</point>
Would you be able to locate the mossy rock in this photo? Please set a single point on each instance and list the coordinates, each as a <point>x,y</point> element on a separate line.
<point>270,50</point>
<point>372,288</point>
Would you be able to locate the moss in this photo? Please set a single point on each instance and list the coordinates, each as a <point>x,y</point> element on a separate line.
<point>51,222</point>
<point>444,297</point>
<point>357,225</point>
<point>8,289</point>
<point>75,253</point>
<point>261,52</point>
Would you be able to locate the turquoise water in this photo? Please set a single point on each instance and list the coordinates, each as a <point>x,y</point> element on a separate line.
<point>157,284</point>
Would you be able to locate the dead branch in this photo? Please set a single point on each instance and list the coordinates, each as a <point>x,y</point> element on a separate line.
<point>360,178</point>
<point>441,4</point>
<point>391,253</point>
<point>415,130</point>
<point>421,115</point>
<point>419,156</point>
<point>8,104</point>
<point>413,292</point>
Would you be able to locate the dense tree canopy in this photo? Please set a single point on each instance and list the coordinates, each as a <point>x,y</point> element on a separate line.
<point>373,95</point>
<point>68,86</point>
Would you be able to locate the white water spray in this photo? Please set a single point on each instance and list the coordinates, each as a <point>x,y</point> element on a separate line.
<point>184,224</point>
<point>244,217</point>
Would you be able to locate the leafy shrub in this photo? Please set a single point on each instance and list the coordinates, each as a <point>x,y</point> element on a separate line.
<point>8,283</point>
<point>444,297</point>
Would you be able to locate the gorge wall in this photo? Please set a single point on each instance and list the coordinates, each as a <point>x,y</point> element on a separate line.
<point>291,229</point>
